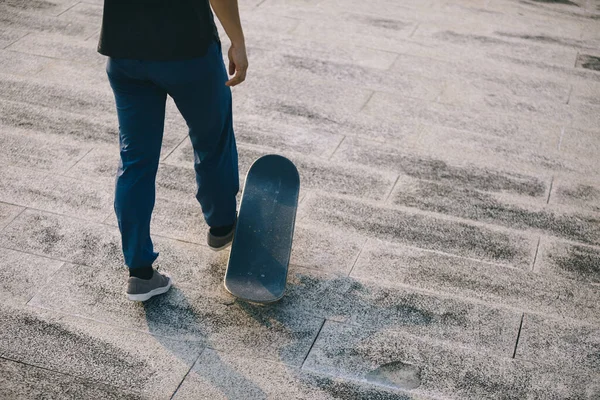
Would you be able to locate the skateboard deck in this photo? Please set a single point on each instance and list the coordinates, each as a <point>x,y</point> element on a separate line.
<point>262,243</point>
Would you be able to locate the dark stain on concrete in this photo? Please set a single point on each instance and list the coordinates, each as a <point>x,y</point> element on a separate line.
<point>476,205</point>
<point>344,390</point>
<point>397,373</point>
<point>301,111</point>
<point>541,39</point>
<point>581,262</point>
<point>385,23</point>
<point>566,2</point>
<point>588,62</point>
<point>327,68</point>
<point>463,38</point>
<point>28,4</point>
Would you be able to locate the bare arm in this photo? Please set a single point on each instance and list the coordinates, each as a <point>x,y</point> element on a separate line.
<point>228,13</point>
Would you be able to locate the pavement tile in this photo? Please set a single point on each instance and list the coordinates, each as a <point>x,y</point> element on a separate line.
<point>184,313</point>
<point>474,79</point>
<point>576,192</point>
<point>319,247</point>
<point>357,29</point>
<point>425,231</point>
<point>150,365</point>
<point>258,23</point>
<point>569,260</point>
<point>510,211</point>
<point>63,238</point>
<point>21,381</point>
<point>580,144</point>
<point>22,275</point>
<point>483,44</point>
<point>572,345</point>
<point>9,36</point>
<point>74,74</point>
<point>75,127</point>
<point>40,16</point>
<point>397,360</point>
<point>8,212</point>
<point>585,93</point>
<point>477,119</point>
<point>221,376</point>
<point>54,193</point>
<point>267,51</point>
<point>471,279</point>
<point>39,7</point>
<point>402,84</point>
<point>537,156</point>
<point>24,148</point>
<point>462,173</point>
<point>12,62</point>
<point>59,46</point>
<point>392,307</point>
<point>272,92</point>
<point>278,136</point>
<point>76,99</point>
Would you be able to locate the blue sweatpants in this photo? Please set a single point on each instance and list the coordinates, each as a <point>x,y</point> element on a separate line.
<point>197,87</point>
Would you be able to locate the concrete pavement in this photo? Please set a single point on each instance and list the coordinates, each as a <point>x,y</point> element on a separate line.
<point>448,235</point>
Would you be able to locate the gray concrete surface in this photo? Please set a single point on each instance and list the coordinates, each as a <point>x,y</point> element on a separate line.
<point>448,235</point>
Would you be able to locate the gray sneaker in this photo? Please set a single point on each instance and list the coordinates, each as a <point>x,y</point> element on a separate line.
<point>217,243</point>
<point>143,289</point>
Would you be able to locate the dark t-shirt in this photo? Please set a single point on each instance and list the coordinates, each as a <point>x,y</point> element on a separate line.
<point>156,29</point>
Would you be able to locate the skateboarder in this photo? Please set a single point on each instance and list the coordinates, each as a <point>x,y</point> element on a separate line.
<point>162,48</point>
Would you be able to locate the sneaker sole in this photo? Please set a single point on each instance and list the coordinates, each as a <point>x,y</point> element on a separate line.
<point>150,294</point>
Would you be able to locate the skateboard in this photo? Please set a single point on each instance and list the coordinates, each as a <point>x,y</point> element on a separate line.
<point>262,243</point>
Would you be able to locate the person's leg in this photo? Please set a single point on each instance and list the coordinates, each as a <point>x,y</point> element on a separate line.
<point>141,113</point>
<point>198,88</point>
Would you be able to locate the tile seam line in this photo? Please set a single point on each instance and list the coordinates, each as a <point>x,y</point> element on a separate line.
<point>65,172</point>
<point>6,225</point>
<point>535,256</point>
<point>187,373</point>
<point>68,9</point>
<point>518,336</point>
<point>49,279</point>
<point>83,378</point>
<point>358,256</point>
<point>313,343</point>
<point>14,41</point>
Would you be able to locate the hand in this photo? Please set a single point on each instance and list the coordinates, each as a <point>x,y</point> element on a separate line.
<point>238,64</point>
